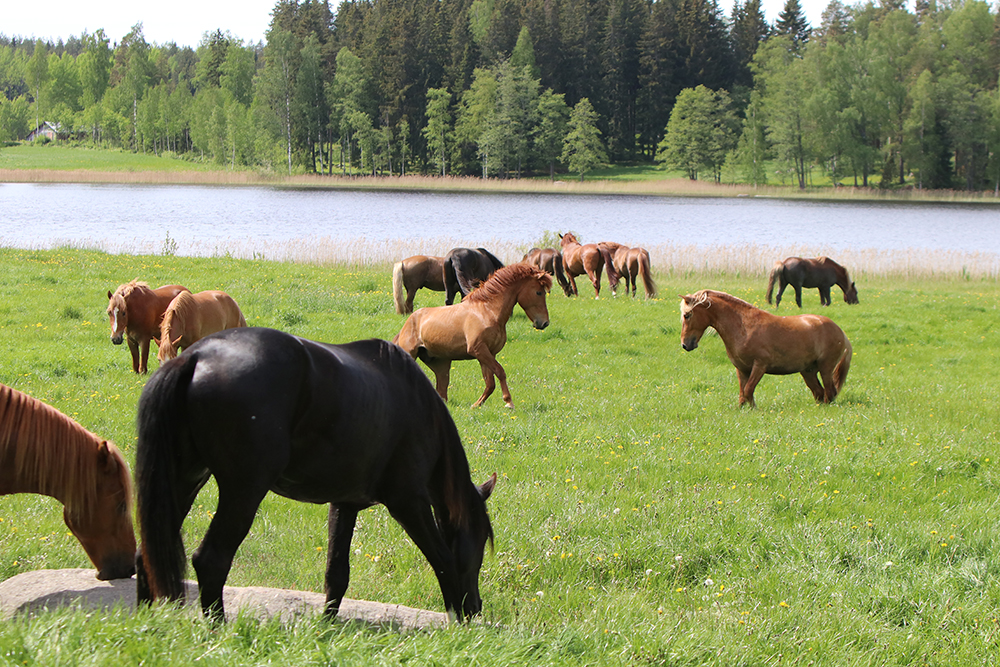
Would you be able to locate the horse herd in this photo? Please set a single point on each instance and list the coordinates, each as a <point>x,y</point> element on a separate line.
<point>349,425</point>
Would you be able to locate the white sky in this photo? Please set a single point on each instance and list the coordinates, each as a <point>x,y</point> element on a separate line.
<point>186,21</point>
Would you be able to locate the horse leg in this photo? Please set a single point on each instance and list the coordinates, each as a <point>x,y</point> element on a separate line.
<point>781,290</point>
<point>595,279</point>
<point>490,367</point>
<point>144,348</point>
<point>746,391</point>
<point>442,374</point>
<point>824,296</point>
<point>812,381</point>
<point>571,279</point>
<point>133,348</point>
<point>830,390</point>
<point>408,304</point>
<point>338,555</point>
<point>798,295</point>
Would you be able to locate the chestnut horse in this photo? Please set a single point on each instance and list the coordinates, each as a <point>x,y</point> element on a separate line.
<point>821,272</point>
<point>476,328</point>
<point>44,451</point>
<point>590,259</point>
<point>550,261</point>
<point>411,274</point>
<point>191,317</point>
<point>465,269</point>
<point>135,312</point>
<point>631,263</point>
<point>350,425</point>
<point>759,342</point>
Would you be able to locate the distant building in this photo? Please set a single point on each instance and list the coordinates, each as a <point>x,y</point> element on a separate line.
<point>52,131</point>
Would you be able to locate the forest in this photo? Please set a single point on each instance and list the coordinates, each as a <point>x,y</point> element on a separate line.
<point>878,95</point>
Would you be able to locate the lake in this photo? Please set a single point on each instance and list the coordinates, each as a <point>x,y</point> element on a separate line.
<point>277,222</point>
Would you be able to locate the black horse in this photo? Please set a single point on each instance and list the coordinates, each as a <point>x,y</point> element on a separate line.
<point>465,268</point>
<point>820,272</point>
<point>351,425</point>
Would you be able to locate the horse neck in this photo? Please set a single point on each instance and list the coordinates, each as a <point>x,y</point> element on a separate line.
<point>843,281</point>
<point>728,319</point>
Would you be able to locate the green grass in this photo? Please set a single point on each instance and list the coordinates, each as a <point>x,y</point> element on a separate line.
<point>641,517</point>
<point>67,157</point>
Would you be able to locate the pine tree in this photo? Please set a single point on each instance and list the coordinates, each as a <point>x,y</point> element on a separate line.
<point>583,149</point>
<point>749,28</point>
<point>792,22</point>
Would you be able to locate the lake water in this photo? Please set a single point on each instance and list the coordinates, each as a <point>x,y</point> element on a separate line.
<point>208,220</point>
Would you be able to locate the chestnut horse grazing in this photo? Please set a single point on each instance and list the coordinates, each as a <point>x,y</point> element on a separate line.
<point>411,274</point>
<point>350,425</point>
<point>758,342</point>
<point>191,317</point>
<point>631,263</point>
<point>465,269</point>
<point>550,261</point>
<point>476,328</point>
<point>590,259</point>
<point>44,451</point>
<point>135,312</point>
<point>821,272</point>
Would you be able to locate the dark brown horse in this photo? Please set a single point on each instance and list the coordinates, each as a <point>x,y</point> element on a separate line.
<point>476,328</point>
<point>44,451</point>
<point>411,274</point>
<point>465,269</point>
<point>758,342</point>
<point>550,261</point>
<point>820,272</point>
<point>350,425</point>
<point>591,259</point>
<point>191,317</point>
<point>631,263</point>
<point>135,312</point>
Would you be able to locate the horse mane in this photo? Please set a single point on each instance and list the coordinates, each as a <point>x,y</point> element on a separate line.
<point>704,298</point>
<point>53,450</point>
<point>126,289</point>
<point>180,309</point>
<point>502,279</point>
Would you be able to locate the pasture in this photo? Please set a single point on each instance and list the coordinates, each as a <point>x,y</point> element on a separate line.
<point>641,518</point>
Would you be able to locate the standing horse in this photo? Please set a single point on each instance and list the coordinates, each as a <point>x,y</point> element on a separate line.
<point>476,328</point>
<point>631,263</point>
<point>350,425</point>
<point>191,317</point>
<point>135,312</point>
<point>465,268</point>
<point>550,261</point>
<point>590,259</point>
<point>44,451</point>
<point>821,272</point>
<point>411,274</point>
<point>758,342</point>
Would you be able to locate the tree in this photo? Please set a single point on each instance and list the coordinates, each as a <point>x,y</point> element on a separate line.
<point>94,66</point>
<point>700,133</point>
<point>583,149</point>
<point>620,69</point>
<point>784,84</point>
<point>438,126</point>
<point>347,94</point>
<point>475,114</point>
<point>524,54</point>
<point>748,29</point>
<point>277,83</point>
<point>134,72</point>
<point>311,114</point>
<point>237,72</point>
<point>752,149</point>
<point>38,75</point>
<point>553,124</point>
<point>792,22</point>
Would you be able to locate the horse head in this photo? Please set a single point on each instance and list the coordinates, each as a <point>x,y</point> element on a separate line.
<point>694,318</point>
<point>531,296</point>
<point>468,544</point>
<point>567,239</point>
<point>104,528</point>
<point>851,294</point>
<point>117,316</point>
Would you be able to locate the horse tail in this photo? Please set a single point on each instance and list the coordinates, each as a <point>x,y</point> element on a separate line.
<point>397,288</point>
<point>160,430</point>
<point>497,264</point>
<point>840,372</point>
<point>609,265</point>
<point>775,272</point>
<point>647,275</point>
<point>557,267</point>
<point>465,283</point>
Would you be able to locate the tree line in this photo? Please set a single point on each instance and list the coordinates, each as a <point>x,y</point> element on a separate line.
<point>875,95</point>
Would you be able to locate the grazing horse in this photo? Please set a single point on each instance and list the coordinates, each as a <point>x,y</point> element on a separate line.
<point>350,425</point>
<point>191,317</point>
<point>476,328</point>
<point>44,451</point>
<point>411,274</point>
<point>758,342</point>
<point>821,272</point>
<point>550,261</point>
<point>590,259</point>
<point>631,263</point>
<point>465,268</point>
<point>135,312</point>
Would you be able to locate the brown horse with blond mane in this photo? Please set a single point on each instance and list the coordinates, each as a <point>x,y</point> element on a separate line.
<point>411,274</point>
<point>135,312</point>
<point>44,451</point>
<point>476,328</point>
<point>759,342</point>
<point>631,263</point>
<point>591,259</point>
<point>191,317</point>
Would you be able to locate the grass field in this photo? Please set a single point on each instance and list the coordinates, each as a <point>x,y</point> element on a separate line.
<point>641,518</point>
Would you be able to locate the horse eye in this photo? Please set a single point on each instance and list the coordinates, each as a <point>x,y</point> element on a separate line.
<point>687,315</point>
<point>538,293</point>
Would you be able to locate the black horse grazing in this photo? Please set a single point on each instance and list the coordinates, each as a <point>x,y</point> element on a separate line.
<point>351,425</point>
<point>821,272</point>
<point>465,268</point>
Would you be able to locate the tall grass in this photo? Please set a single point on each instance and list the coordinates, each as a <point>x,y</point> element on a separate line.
<point>641,517</point>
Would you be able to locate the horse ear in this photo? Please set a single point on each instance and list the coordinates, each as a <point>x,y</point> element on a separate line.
<point>104,458</point>
<point>110,294</point>
<point>486,488</point>
<point>173,343</point>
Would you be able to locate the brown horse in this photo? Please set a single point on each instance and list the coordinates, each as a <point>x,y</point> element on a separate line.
<point>411,274</point>
<point>758,342</point>
<point>191,317</point>
<point>590,259</point>
<point>550,261</point>
<point>476,328</point>
<point>631,263</point>
<point>135,312</point>
<point>820,272</point>
<point>44,451</point>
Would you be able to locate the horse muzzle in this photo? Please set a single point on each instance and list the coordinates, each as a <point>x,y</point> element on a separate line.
<point>118,567</point>
<point>540,324</point>
<point>689,345</point>
<point>117,340</point>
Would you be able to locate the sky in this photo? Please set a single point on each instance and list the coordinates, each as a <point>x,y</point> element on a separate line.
<point>186,21</point>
